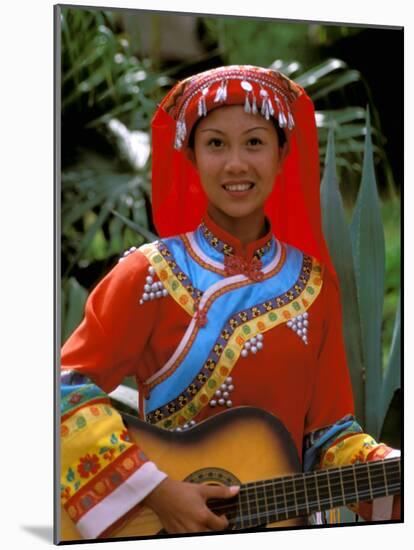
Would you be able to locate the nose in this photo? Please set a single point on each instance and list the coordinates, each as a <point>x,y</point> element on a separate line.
<point>236,162</point>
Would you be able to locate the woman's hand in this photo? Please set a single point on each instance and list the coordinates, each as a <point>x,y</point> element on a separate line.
<point>181,506</point>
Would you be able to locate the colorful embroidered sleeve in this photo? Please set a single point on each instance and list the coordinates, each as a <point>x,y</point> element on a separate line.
<point>103,473</point>
<point>352,446</point>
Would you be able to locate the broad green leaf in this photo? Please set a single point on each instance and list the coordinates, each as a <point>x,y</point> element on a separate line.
<point>97,249</point>
<point>89,235</point>
<point>392,375</point>
<point>338,83</point>
<point>320,71</point>
<point>338,239</point>
<point>369,258</point>
<point>75,302</point>
<point>339,116</point>
<point>149,236</point>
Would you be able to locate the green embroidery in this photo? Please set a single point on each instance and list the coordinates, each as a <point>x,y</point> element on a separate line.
<point>310,290</point>
<point>192,408</point>
<point>229,354</point>
<point>272,316</point>
<point>174,285</point>
<point>167,424</point>
<point>296,306</point>
<point>246,329</point>
<point>212,383</point>
<point>81,422</point>
<point>157,259</point>
<point>70,475</point>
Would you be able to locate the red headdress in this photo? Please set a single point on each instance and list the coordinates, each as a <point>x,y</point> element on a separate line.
<point>293,207</point>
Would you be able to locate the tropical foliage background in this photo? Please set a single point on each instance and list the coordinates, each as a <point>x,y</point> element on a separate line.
<point>111,80</point>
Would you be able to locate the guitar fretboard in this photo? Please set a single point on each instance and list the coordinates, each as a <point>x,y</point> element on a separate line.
<point>267,501</point>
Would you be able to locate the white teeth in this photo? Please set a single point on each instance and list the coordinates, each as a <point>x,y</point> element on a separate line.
<point>238,187</point>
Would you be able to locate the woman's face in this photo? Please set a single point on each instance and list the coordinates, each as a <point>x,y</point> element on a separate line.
<point>237,156</point>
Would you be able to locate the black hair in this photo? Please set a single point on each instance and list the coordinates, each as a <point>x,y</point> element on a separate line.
<point>280,133</point>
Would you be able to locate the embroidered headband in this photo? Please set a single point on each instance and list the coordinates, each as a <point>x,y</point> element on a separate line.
<point>261,91</point>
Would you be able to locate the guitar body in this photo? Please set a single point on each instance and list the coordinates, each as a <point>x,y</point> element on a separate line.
<point>237,446</point>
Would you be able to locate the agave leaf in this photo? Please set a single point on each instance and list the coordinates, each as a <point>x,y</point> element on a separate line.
<point>338,239</point>
<point>75,297</point>
<point>353,146</point>
<point>392,375</point>
<point>369,257</point>
<point>346,131</point>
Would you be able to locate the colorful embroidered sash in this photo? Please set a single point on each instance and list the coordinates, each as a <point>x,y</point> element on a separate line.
<point>236,309</point>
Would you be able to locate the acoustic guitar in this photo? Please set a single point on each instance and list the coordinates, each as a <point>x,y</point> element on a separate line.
<point>249,447</point>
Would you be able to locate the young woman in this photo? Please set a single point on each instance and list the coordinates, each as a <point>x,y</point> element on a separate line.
<point>236,304</point>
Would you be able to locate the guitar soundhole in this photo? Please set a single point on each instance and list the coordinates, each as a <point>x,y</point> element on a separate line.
<point>213,476</point>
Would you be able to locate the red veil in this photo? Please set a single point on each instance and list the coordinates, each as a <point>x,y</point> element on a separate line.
<point>293,207</point>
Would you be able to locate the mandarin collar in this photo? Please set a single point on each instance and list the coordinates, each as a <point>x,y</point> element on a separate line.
<point>229,245</point>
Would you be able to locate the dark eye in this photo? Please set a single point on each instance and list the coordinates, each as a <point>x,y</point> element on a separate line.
<point>215,142</point>
<point>255,141</point>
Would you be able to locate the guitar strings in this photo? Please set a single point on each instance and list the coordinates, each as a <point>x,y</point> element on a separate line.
<point>390,466</point>
<point>248,499</point>
<point>331,484</point>
<point>317,477</point>
<point>234,517</point>
<point>361,496</point>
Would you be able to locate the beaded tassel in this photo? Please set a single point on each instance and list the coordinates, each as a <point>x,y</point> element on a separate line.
<point>253,345</point>
<point>180,133</point>
<point>247,87</point>
<point>221,94</point>
<point>222,395</point>
<point>267,107</point>
<point>152,289</point>
<point>300,325</point>
<point>202,107</point>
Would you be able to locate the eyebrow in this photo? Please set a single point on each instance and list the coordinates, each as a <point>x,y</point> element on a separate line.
<point>245,132</point>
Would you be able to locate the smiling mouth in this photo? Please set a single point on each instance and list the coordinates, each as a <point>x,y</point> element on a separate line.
<point>238,187</point>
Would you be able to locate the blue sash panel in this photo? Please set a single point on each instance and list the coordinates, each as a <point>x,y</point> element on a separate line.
<point>221,310</point>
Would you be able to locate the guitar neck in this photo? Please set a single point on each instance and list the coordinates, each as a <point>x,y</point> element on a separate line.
<point>267,501</point>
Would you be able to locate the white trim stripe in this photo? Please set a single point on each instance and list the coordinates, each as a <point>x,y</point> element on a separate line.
<point>197,250</point>
<point>120,501</point>
<point>175,355</point>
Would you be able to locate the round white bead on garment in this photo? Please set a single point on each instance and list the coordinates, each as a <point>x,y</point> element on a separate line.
<point>222,395</point>
<point>300,324</point>
<point>127,253</point>
<point>153,290</point>
<point>253,345</point>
